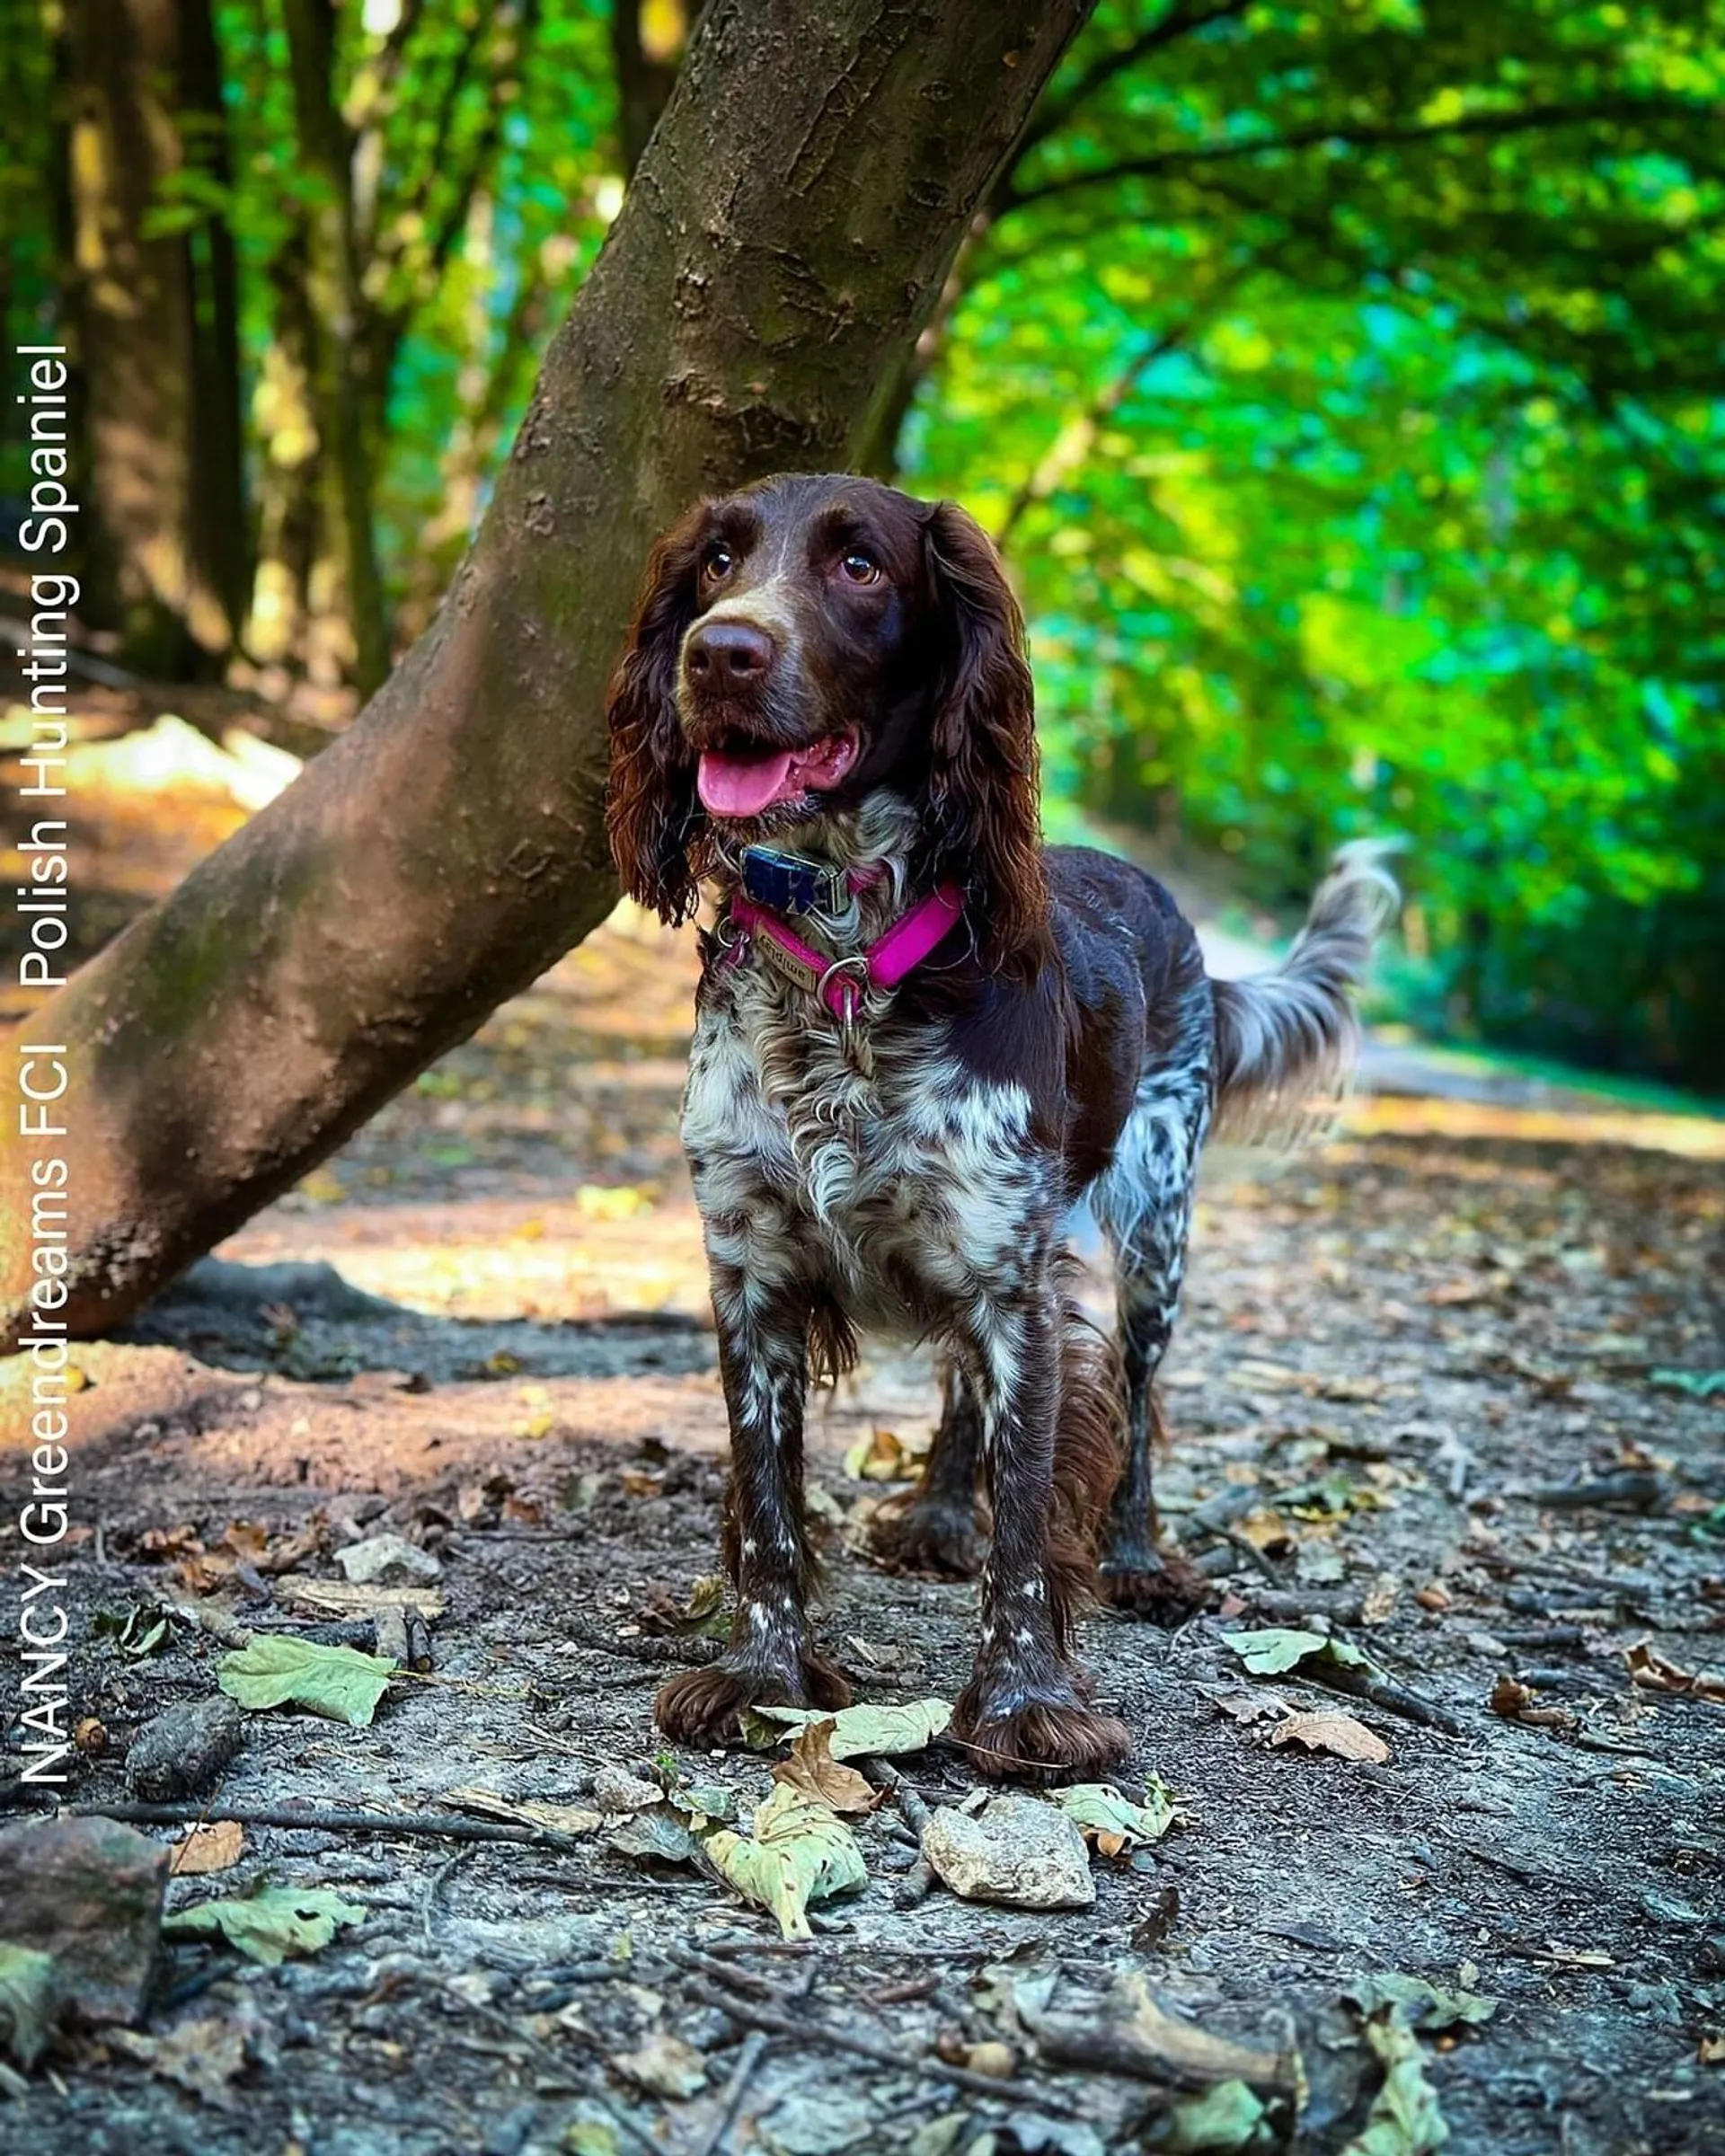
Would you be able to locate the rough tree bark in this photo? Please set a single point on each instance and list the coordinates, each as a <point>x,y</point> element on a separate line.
<point>787,232</point>
<point>155,318</point>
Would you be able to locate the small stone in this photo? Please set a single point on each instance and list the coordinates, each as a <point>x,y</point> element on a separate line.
<point>1017,1851</point>
<point>665,2065</point>
<point>615,1789</point>
<point>88,1892</point>
<point>182,1751</point>
<point>384,1558</point>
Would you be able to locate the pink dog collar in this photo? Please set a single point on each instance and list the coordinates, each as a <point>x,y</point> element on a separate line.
<point>882,964</point>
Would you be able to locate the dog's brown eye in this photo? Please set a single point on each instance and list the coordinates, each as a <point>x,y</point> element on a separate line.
<point>719,563</point>
<point>860,567</point>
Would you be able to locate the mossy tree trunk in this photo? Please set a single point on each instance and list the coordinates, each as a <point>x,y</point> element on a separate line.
<point>786,236</point>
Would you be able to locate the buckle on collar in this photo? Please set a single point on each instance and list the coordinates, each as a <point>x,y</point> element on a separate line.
<point>786,883</point>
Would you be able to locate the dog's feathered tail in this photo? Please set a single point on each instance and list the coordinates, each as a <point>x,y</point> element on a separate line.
<point>1287,1041</point>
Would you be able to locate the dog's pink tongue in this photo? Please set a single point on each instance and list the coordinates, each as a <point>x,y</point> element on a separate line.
<point>742,785</point>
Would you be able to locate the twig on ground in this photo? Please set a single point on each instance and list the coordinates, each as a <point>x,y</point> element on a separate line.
<point>1290,1604</point>
<point>741,1980</point>
<point>911,1807</point>
<point>1632,1588</point>
<point>815,2028</point>
<point>1242,1546</point>
<point>731,2102</point>
<point>738,1943</point>
<point>646,1647</point>
<point>1636,1488</point>
<point>449,1825</point>
<point>1384,1691</point>
<point>906,1989</point>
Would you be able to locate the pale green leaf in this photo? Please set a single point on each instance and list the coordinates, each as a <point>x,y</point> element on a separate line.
<point>272,1670</point>
<point>1273,1651</point>
<point>1099,1808</point>
<point>1405,2118</point>
<point>1422,2005</point>
<point>1224,2119</point>
<point>29,2002</point>
<point>801,1852</point>
<point>268,1927</point>
<point>856,1730</point>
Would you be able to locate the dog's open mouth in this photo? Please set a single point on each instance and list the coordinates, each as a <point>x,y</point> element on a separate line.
<point>748,778</point>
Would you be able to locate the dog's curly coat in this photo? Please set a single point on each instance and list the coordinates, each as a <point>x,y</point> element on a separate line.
<point>828,658</point>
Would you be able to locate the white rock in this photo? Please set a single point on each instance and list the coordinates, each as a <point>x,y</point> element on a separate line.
<point>1017,1851</point>
<point>384,1558</point>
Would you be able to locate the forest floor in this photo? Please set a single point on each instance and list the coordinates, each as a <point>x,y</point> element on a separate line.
<point>1397,1357</point>
<point>1449,1388</point>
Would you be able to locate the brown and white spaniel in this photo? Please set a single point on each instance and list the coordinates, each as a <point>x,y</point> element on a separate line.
<point>921,1038</point>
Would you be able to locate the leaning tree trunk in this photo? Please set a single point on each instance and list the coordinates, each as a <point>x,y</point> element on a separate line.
<point>786,236</point>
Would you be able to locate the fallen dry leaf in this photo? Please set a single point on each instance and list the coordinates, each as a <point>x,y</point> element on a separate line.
<point>665,2065</point>
<point>1337,1733</point>
<point>1247,1702</point>
<point>1516,1702</point>
<point>1653,1672</point>
<point>200,2056</point>
<point>882,1456</point>
<point>812,1770</point>
<point>800,1852</point>
<point>212,1847</point>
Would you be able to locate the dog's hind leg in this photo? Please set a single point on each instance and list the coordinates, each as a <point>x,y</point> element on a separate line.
<point>937,1529</point>
<point>1144,1202</point>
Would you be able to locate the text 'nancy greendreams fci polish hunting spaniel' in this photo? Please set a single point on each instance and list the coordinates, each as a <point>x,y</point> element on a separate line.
<point>921,1036</point>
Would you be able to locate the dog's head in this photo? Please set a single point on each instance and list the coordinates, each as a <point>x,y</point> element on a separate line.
<point>809,643</point>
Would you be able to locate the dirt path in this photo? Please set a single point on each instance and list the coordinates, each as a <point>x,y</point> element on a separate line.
<point>1394,1352</point>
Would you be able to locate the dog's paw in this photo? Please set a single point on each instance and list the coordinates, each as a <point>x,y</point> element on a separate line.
<point>1041,1741</point>
<point>1161,1585</point>
<point>701,1707</point>
<point>930,1535</point>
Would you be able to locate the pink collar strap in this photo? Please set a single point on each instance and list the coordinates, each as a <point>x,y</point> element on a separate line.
<point>840,983</point>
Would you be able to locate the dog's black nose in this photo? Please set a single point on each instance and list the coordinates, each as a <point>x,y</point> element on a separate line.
<point>728,655</point>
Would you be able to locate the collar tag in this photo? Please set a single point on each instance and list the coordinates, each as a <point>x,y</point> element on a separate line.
<point>786,883</point>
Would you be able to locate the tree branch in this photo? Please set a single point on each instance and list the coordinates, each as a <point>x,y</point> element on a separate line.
<point>1353,136</point>
<point>1074,438</point>
<point>1180,21</point>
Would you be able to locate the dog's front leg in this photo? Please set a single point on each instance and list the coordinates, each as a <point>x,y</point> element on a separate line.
<point>771,1660</point>
<point>1024,1714</point>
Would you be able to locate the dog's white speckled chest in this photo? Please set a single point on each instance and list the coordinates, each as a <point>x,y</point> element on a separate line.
<point>890,1178</point>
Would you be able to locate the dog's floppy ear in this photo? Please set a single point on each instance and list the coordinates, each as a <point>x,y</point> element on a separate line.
<point>650,805</point>
<point>983,780</point>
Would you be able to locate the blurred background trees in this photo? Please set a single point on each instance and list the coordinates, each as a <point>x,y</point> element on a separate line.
<point>1342,381</point>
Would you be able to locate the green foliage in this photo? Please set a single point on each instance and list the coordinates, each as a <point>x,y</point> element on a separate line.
<point>1341,382</point>
<point>1372,481</point>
